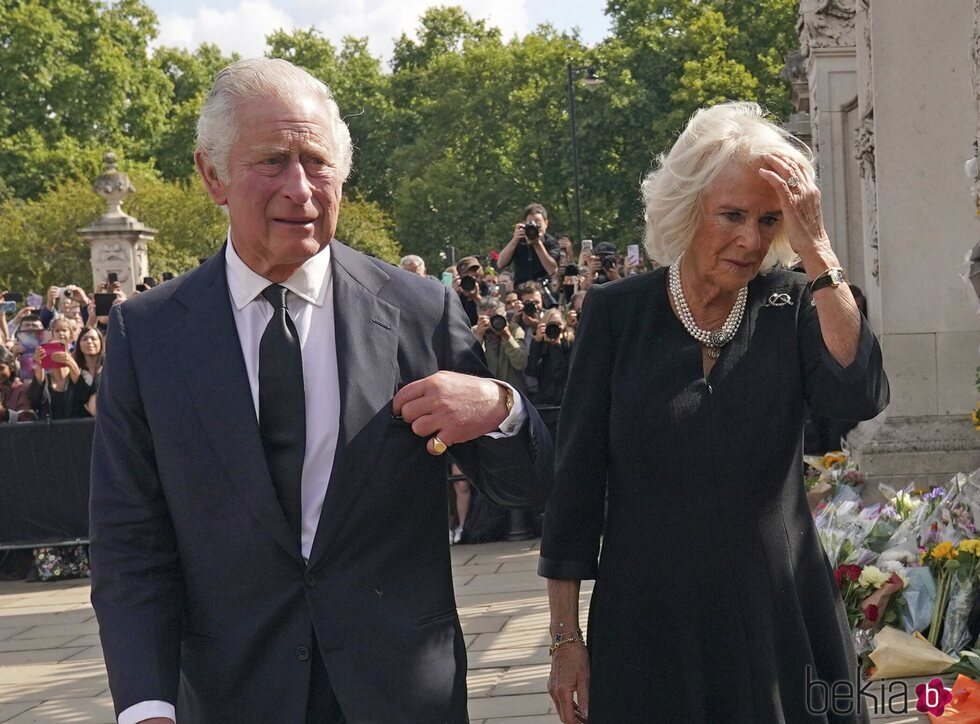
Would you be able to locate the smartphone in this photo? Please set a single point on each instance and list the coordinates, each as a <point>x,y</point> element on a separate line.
<point>10,307</point>
<point>103,304</point>
<point>113,277</point>
<point>141,287</point>
<point>14,296</point>
<point>587,246</point>
<point>447,278</point>
<point>633,254</point>
<point>149,282</point>
<point>49,349</point>
<point>35,301</point>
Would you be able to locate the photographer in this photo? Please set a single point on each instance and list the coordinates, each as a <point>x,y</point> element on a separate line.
<point>551,350</point>
<point>529,305</point>
<point>13,392</point>
<point>535,254</point>
<point>470,287</point>
<point>602,264</point>
<point>503,343</point>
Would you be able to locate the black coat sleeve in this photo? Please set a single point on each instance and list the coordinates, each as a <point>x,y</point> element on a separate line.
<point>856,392</point>
<point>136,582</point>
<point>574,516</point>
<point>513,472</point>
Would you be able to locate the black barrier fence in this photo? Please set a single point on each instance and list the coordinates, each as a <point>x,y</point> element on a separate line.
<point>44,482</point>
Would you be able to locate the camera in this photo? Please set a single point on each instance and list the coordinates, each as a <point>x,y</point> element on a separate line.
<point>552,330</point>
<point>530,309</point>
<point>467,283</point>
<point>571,270</point>
<point>608,262</point>
<point>531,230</point>
<point>498,322</point>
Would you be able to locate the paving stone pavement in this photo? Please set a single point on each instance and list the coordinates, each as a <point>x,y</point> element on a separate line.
<point>51,668</point>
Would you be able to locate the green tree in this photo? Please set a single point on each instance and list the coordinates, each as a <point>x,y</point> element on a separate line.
<point>76,79</point>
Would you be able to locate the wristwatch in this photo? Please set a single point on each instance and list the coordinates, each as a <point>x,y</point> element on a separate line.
<point>833,277</point>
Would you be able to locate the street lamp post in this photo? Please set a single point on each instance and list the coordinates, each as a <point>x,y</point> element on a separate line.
<point>591,80</point>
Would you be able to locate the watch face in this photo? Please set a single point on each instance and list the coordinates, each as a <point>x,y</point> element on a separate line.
<point>837,277</point>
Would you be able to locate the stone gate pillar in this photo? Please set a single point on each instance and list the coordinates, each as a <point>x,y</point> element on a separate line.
<point>118,241</point>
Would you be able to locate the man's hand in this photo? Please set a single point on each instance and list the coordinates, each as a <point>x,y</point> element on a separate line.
<point>539,332</point>
<point>52,302</point>
<point>454,406</point>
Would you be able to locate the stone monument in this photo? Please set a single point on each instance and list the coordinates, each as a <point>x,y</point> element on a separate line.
<point>894,115</point>
<point>118,241</point>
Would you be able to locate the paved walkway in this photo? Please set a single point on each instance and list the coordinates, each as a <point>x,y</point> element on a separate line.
<point>51,666</point>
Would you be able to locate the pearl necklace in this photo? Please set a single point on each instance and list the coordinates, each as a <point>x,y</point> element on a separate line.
<point>713,340</point>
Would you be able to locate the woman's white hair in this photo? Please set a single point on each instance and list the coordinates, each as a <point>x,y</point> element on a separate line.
<point>252,81</point>
<point>733,132</point>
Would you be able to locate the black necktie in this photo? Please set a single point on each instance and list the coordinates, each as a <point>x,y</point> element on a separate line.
<point>282,406</point>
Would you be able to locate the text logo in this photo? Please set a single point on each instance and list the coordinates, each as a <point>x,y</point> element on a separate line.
<point>933,697</point>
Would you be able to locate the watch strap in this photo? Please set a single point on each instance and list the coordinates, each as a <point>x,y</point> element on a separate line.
<point>832,277</point>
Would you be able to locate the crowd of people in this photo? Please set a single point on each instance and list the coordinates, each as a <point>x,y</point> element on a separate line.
<point>523,305</point>
<point>52,349</point>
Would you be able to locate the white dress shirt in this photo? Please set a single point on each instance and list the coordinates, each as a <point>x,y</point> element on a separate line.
<point>310,303</point>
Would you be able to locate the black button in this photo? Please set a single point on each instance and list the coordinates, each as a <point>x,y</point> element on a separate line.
<point>303,653</point>
<point>309,580</point>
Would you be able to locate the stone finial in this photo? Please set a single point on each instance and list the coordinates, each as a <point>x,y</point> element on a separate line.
<point>114,186</point>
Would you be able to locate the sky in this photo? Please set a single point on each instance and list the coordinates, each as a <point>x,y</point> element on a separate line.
<point>241,25</point>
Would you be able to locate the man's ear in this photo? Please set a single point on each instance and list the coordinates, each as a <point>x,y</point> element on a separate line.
<point>213,184</point>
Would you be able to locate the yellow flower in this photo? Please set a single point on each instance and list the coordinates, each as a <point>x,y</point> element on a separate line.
<point>971,546</point>
<point>943,550</point>
<point>832,458</point>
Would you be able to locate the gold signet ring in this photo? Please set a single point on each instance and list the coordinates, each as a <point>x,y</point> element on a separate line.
<point>438,445</point>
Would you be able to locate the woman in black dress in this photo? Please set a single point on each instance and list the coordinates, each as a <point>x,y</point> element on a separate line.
<point>683,415</point>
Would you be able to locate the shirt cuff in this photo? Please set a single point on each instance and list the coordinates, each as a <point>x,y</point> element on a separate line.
<point>147,710</point>
<point>513,423</point>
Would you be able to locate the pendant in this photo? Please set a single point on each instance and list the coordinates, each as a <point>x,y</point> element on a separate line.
<point>717,338</point>
<point>713,352</point>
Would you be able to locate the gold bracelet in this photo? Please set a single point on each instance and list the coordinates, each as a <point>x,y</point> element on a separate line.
<point>561,642</point>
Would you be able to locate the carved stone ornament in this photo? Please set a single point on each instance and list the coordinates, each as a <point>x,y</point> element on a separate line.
<point>825,24</point>
<point>114,186</point>
<point>864,149</point>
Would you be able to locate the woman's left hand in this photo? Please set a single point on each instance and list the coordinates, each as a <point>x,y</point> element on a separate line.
<point>800,204</point>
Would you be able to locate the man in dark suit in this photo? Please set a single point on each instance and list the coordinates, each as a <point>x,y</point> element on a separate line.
<point>268,510</point>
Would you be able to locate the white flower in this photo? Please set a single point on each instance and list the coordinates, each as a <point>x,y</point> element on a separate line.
<point>890,567</point>
<point>872,577</point>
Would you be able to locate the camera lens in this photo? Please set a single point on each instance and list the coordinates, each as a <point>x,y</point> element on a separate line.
<point>498,322</point>
<point>608,262</point>
<point>467,284</point>
<point>552,330</point>
<point>531,230</point>
<point>530,309</point>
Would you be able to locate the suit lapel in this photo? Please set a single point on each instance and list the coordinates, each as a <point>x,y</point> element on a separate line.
<point>367,363</point>
<point>211,355</point>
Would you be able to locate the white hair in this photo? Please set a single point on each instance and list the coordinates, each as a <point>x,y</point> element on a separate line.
<point>413,259</point>
<point>714,137</point>
<point>252,81</point>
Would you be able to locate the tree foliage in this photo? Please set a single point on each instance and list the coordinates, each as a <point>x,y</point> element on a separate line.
<point>453,135</point>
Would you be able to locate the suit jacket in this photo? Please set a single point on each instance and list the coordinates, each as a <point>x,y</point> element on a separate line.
<point>202,596</point>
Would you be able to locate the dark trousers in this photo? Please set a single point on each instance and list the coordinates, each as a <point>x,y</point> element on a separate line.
<point>323,707</point>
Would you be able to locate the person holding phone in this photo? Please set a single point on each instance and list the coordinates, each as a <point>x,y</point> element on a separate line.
<point>13,391</point>
<point>89,355</point>
<point>57,391</point>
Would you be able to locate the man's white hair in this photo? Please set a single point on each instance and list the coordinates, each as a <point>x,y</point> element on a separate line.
<point>733,132</point>
<point>252,81</point>
<point>413,259</point>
